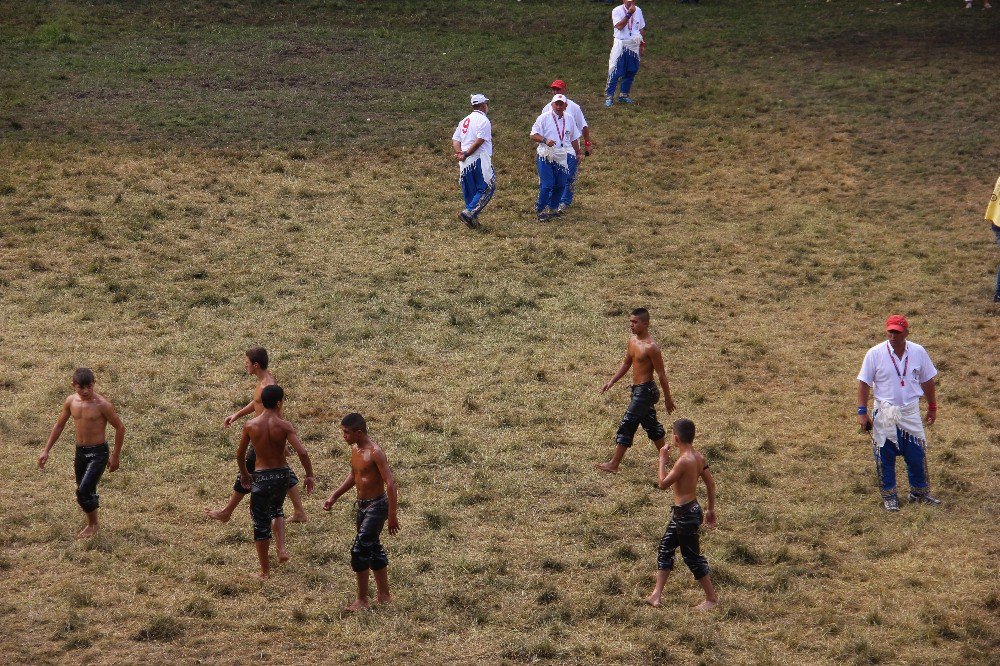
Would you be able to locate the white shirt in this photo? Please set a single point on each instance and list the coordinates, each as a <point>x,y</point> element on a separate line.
<point>475,126</point>
<point>553,128</point>
<point>878,371</point>
<point>632,28</point>
<point>573,109</point>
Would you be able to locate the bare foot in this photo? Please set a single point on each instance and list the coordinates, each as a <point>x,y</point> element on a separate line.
<point>218,514</point>
<point>606,467</point>
<point>360,604</point>
<point>652,600</point>
<point>707,605</point>
<point>88,531</point>
<point>283,556</point>
<point>387,599</point>
<point>263,576</point>
<point>298,517</point>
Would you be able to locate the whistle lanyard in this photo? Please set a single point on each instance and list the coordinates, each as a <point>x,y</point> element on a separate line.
<point>906,363</point>
<point>555,121</point>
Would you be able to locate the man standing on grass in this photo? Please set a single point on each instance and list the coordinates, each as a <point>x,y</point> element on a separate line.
<point>377,502</point>
<point>472,143</point>
<point>993,217</point>
<point>642,355</point>
<point>555,133</point>
<point>628,48</point>
<point>582,130</point>
<point>270,478</point>
<point>91,414</point>
<point>256,363</point>
<point>899,372</point>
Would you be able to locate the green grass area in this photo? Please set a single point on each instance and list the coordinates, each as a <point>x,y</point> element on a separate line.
<point>180,182</point>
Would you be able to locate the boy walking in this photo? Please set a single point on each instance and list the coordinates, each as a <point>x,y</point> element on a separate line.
<point>376,486</point>
<point>686,517</point>
<point>270,478</point>
<point>91,414</point>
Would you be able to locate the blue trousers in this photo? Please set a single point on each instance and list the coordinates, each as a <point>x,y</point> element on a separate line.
<point>625,69</point>
<point>912,450</point>
<point>552,180</point>
<point>475,190</point>
<point>574,164</point>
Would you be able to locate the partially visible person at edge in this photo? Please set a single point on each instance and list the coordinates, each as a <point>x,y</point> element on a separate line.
<point>629,46</point>
<point>899,372</point>
<point>472,143</point>
<point>993,217</point>
<point>558,87</point>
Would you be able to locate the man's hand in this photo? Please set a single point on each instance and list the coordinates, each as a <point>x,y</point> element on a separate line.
<point>710,518</point>
<point>113,462</point>
<point>42,459</point>
<point>246,480</point>
<point>229,420</point>
<point>393,523</point>
<point>665,453</point>
<point>579,155</point>
<point>459,155</point>
<point>327,505</point>
<point>550,142</point>
<point>865,422</point>
<point>931,416</point>
<point>607,386</point>
<point>669,402</point>
<point>310,484</point>
<point>642,49</point>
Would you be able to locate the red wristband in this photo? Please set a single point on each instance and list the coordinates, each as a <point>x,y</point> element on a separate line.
<point>932,406</point>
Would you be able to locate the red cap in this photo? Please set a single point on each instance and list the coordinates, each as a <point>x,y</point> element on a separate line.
<point>896,323</point>
<point>558,84</point>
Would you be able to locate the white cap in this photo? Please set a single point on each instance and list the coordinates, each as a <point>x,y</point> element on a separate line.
<point>479,98</point>
<point>559,98</point>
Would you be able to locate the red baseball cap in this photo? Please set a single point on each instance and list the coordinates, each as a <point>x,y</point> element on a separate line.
<point>558,84</point>
<point>896,323</point>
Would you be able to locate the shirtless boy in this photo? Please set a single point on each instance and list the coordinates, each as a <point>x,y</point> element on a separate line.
<point>376,486</point>
<point>682,530</point>
<point>91,414</point>
<point>256,364</point>
<point>644,357</point>
<point>270,479</point>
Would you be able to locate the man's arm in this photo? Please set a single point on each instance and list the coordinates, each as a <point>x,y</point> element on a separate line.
<point>344,487</point>
<point>457,149</point>
<point>236,416</point>
<point>300,449</point>
<point>863,392</point>
<point>656,356</point>
<point>108,410</point>
<point>629,11</point>
<point>390,488</point>
<point>667,479</point>
<point>706,475</point>
<point>56,431</point>
<point>587,143</point>
<point>930,392</point>
<point>541,139</point>
<point>473,148</point>
<point>626,364</point>
<point>576,147</point>
<point>241,458</point>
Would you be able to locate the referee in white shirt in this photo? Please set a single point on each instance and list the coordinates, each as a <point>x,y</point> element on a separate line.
<point>555,133</point>
<point>629,46</point>
<point>472,143</point>
<point>582,131</point>
<point>899,372</point>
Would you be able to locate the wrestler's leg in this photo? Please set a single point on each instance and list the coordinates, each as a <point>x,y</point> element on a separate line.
<point>362,600</point>
<point>226,512</point>
<point>664,563</point>
<point>262,546</point>
<point>89,474</point>
<point>382,585</point>
<point>298,510</point>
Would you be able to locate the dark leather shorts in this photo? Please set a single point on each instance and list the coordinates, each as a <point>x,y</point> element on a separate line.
<point>641,411</point>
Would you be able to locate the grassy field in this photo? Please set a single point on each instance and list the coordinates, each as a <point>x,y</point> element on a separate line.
<point>180,181</point>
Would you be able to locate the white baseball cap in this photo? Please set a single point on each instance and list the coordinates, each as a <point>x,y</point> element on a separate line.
<point>559,98</point>
<point>479,98</point>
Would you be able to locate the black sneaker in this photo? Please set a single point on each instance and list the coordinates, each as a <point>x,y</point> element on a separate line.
<point>468,218</point>
<point>923,498</point>
<point>543,216</point>
<point>891,503</point>
<point>562,209</point>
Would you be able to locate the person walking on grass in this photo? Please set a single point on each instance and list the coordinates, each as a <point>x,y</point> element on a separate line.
<point>629,46</point>
<point>256,363</point>
<point>555,132</point>
<point>377,502</point>
<point>269,479</point>
<point>993,217</point>
<point>92,413</point>
<point>685,515</point>
<point>573,109</point>
<point>472,143</point>
<point>643,355</point>
<point>899,372</point>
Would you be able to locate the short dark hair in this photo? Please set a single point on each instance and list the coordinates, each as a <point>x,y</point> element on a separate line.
<point>83,377</point>
<point>271,396</point>
<point>684,429</point>
<point>641,313</point>
<point>258,355</point>
<point>354,421</point>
